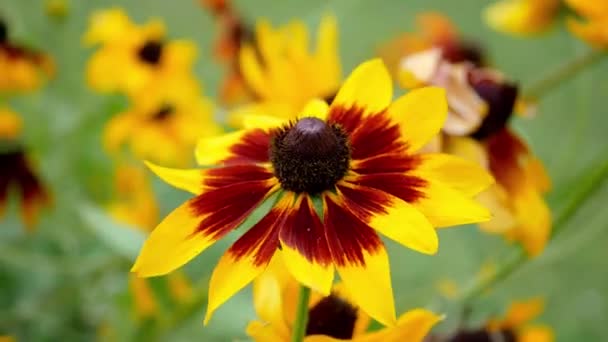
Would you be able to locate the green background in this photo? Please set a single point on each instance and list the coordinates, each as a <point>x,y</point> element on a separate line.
<point>68,278</point>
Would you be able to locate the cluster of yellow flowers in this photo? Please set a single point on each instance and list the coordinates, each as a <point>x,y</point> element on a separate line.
<point>317,167</point>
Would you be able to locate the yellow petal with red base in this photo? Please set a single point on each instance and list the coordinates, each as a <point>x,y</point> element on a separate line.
<point>420,114</point>
<point>172,243</point>
<point>444,206</point>
<point>369,87</point>
<point>212,150</point>
<point>370,285</point>
<point>467,177</point>
<point>190,180</point>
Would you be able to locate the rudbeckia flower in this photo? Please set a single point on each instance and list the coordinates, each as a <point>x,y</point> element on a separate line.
<point>21,69</point>
<point>163,123</point>
<point>481,102</point>
<point>521,17</point>
<point>132,57</point>
<point>594,29</point>
<point>513,327</point>
<point>334,178</point>
<point>331,318</point>
<point>281,71</point>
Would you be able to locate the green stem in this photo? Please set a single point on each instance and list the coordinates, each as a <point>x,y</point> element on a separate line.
<point>519,257</point>
<point>299,326</point>
<point>561,73</point>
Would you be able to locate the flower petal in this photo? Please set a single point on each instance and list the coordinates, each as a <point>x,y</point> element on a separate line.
<point>534,219</point>
<point>444,206</point>
<point>457,173</point>
<point>304,248</point>
<point>189,180</point>
<point>421,113</point>
<point>252,71</point>
<point>412,326</point>
<point>536,333</point>
<point>391,216</point>
<point>247,258</point>
<point>369,86</point>
<point>361,261</point>
<point>197,224</point>
<point>315,108</point>
<point>240,146</point>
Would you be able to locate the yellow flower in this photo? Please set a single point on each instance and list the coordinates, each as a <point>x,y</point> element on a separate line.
<point>283,74</point>
<point>7,339</point>
<point>594,30</point>
<point>331,318</point>
<point>481,102</point>
<point>330,181</point>
<point>10,124</point>
<point>133,57</point>
<point>521,17</point>
<point>163,123</point>
<point>516,321</point>
<point>21,69</point>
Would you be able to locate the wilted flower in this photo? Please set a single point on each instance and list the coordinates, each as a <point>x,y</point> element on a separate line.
<point>481,101</point>
<point>331,318</point>
<point>21,69</point>
<point>334,177</point>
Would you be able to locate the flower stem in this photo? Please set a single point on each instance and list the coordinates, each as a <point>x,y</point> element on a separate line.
<point>299,326</point>
<point>519,257</point>
<point>561,73</point>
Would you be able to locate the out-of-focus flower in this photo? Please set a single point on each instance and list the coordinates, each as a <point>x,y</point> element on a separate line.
<point>481,102</point>
<point>516,323</point>
<point>56,8</point>
<point>330,318</point>
<point>133,57</point>
<point>164,123</point>
<point>16,173</point>
<point>21,69</point>
<point>521,17</point>
<point>334,178</point>
<point>594,28</point>
<point>7,339</point>
<point>10,124</point>
<point>233,32</point>
<point>281,71</point>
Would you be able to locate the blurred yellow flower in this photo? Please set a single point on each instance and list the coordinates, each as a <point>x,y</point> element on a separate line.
<point>594,28</point>
<point>21,69</point>
<point>164,123</point>
<point>481,102</point>
<point>281,71</point>
<point>133,57</point>
<point>330,318</point>
<point>10,124</point>
<point>516,322</point>
<point>522,17</point>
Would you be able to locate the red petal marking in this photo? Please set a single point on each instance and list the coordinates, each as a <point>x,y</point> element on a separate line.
<point>363,202</point>
<point>387,163</point>
<point>261,240</point>
<point>347,236</point>
<point>371,135</point>
<point>223,209</point>
<point>224,176</point>
<point>406,187</point>
<point>253,147</point>
<point>506,153</point>
<point>348,118</point>
<point>303,231</point>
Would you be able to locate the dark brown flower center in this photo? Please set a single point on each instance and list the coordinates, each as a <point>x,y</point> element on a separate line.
<point>500,95</point>
<point>163,113</point>
<point>310,155</point>
<point>483,335</point>
<point>151,52</point>
<point>332,316</point>
<point>462,51</point>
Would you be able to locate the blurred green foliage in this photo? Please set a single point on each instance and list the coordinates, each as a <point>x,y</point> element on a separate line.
<point>69,281</point>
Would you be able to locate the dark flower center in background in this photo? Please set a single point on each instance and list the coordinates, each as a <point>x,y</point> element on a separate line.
<point>151,52</point>
<point>3,32</point>
<point>462,51</point>
<point>332,316</point>
<point>310,155</point>
<point>164,112</point>
<point>483,336</point>
<point>500,95</point>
